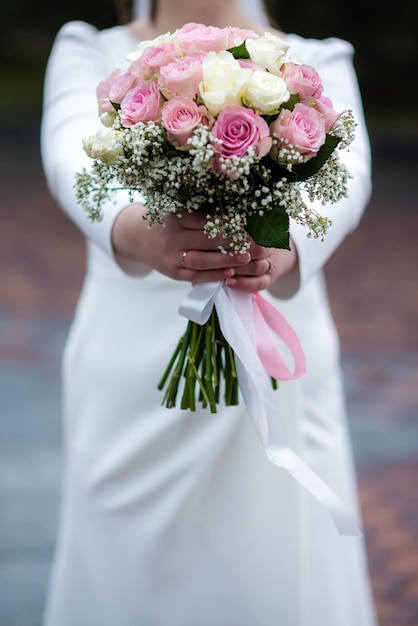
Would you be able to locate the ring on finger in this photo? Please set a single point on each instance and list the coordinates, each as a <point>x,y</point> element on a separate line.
<point>270,267</point>
<point>183,260</point>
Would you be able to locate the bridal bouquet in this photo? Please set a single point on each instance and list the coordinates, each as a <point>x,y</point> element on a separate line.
<point>221,121</point>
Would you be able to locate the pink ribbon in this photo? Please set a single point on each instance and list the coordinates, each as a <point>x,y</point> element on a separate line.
<point>266,319</point>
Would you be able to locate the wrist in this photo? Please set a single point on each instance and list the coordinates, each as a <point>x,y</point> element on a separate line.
<point>126,240</point>
<point>288,281</point>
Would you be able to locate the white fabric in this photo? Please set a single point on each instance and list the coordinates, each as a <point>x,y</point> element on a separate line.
<point>173,518</point>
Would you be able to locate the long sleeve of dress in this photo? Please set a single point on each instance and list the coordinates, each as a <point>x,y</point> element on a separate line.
<point>79,60</point>
<point>333,59</point>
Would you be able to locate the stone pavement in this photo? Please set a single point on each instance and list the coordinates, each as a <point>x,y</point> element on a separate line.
<point>374,296</point>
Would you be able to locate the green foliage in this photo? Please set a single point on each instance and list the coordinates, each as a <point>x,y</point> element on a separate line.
<point>240,52</point>
<point>290,104</point>
<point>271,229</point>
<point>311,167</point>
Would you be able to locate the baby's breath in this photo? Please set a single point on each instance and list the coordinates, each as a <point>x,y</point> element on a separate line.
<point>329,185</point>
<point>286,154</point>
<point>344,128</point>
<point>198,178</point>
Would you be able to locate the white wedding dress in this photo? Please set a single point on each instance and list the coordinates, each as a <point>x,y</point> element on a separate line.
<point>172,518</point>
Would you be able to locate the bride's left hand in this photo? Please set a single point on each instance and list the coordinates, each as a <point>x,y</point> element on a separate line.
<point>259,268</point>
<point>265,267</point>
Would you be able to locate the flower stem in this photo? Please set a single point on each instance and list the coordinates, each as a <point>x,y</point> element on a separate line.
<point>172,389</point>
<point>210,375</point>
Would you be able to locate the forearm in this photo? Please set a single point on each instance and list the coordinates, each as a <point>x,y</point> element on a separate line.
<point>287,282</point>
<point>130,240</point>
<point>75,66</point>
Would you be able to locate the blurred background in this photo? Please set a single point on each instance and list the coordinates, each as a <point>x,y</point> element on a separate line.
<point>372,282</point>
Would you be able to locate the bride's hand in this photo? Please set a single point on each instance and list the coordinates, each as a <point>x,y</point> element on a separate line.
<point>178,249</point>
<point>266,266</point>
<point>181,250</point>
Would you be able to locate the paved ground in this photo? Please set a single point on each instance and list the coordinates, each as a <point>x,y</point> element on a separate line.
<point>373,286</point>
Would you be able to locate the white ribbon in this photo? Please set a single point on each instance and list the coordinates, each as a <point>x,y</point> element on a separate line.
<point>235,314</point>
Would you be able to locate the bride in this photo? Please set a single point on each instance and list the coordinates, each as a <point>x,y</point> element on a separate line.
<point>173,518</point>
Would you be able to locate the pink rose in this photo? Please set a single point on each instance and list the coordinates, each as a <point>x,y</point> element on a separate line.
<point>194,38</point>
<point>302,79</point>
<point>155,57</point>
<point>139,70</point>
<point>102,91</point>
<point>141,104</point>
<point>180,116</point>
<point>303,128</point>
<point>121,86</point>
<point>181,77</point>
<point>238,35</point>
<point>324,106</point>
<point>239,129</point>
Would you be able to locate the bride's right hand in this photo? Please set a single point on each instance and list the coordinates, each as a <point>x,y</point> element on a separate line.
<point>179,249</point>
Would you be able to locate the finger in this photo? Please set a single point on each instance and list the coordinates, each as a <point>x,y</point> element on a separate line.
<point>194,220</point>
<point>260,252</point>
<point>250,284</point>
<point>198,267</point>
<point>196,239</point>
<point>201,260</point>
<point>257,267</point>
<point>197,276</point>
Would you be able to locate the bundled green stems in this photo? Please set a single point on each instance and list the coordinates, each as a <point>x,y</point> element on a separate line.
<point>206,361</point>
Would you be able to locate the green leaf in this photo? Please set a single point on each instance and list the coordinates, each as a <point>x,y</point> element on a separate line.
<point>278,172</point>
<point>271,229</point>
<point>290,104</point>
<point>115,105</point>
<point>311,167</point>
<point>240,52</point>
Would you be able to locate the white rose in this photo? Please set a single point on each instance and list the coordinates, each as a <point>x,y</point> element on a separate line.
<point>108,117</point>
<point>223,82</point>
<point>105,145</point>
<point>268,51</point>
<point>265,93</point>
